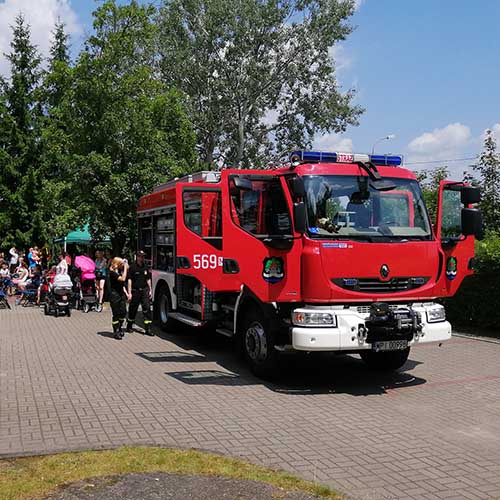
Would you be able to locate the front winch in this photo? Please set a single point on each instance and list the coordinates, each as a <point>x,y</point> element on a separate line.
<point>385,323</point>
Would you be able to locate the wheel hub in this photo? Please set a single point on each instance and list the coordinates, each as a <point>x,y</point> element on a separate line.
<point>164,309</point>
<point>256,342</point>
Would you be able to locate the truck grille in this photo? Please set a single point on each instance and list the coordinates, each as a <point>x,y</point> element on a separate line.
<point>375,285</point>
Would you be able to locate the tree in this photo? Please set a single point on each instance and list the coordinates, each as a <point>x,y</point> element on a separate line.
<point>128,131</point>
<point>20,120</point>
<point>429,181</point>
<point>259,74</point>
<point>56,211</point>
<point>489,169</point>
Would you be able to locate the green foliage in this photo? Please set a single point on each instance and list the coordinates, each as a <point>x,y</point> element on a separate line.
<point>19,125</point>
<point>476,303</point>
<point>259,74</point>
<point>128,130</point>
<point>489,168</point>
<point>429,182</point>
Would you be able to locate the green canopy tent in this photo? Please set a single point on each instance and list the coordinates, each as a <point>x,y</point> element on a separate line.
<point>80,236</point>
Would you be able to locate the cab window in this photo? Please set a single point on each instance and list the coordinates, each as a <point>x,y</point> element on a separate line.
<point>259,206</point>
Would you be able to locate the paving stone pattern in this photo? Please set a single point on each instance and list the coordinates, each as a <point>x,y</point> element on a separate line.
<point>431,431</point>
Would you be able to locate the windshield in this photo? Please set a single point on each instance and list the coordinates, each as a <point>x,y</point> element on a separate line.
<point>342,206</point>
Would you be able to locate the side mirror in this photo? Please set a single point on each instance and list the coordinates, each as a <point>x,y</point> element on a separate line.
<point>472,222</point>
<point>297,187</point>
<point>299,217</point>
<point>469,194</point>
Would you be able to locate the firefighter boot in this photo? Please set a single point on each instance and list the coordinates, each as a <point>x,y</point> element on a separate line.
<point>147,328</point>
<point>116,330</point>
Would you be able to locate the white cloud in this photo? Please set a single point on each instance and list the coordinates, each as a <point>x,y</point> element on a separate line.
<point>452,142</point>
<point>333,142</point>
<point>339,55</point>
<point>358,4</point>
<point>41,15</point>
<point>441,141</point>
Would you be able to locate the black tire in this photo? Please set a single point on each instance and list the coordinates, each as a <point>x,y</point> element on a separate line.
<point>162,309</point>
<point>98,308</point>
<point>68,312</point>
<point>385,360</point>
<point>56,312</point>
<point>257,341</point>
<point>86,307</point>
<point>46,309</point>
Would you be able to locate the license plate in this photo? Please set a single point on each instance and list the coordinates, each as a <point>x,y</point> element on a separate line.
<point>390,345</point>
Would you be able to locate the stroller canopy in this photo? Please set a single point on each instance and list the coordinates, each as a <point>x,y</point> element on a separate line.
<point>87,266</point>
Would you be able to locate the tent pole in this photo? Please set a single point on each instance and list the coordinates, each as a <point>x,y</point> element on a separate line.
<point>65,244</point>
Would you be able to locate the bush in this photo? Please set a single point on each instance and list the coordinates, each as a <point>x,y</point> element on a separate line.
<point>477,303</point>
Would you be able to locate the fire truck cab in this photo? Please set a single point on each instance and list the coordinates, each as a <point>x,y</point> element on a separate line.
<point>328,252</point>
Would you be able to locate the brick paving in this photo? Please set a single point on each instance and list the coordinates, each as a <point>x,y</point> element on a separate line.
<point>430,432</point>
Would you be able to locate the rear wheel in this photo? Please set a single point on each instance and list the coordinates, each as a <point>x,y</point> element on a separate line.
<point>385,360</point>
<point>163,308</point>
<point>258,344</point>
<point>56,312</point>
<point>86,307</point>
<point>68,311</point>
<point>46,309</point>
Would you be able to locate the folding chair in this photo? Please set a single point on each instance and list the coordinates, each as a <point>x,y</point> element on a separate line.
<point>27,298</point>
<point>4,300</point>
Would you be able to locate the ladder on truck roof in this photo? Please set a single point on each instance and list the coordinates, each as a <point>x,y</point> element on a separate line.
<point>203,176</point>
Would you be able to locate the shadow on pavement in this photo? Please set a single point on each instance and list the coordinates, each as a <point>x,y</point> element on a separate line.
<point>109,335</point>
<point>301,374</point>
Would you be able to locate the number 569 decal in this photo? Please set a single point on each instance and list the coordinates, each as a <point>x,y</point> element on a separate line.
<point>206,261</point>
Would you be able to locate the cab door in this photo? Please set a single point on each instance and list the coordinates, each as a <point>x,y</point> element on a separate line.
<point>259,238</point>
<point>458,225</point>
<point>199,234</point>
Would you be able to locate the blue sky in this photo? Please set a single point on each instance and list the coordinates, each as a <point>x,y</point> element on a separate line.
<point>424,70</point>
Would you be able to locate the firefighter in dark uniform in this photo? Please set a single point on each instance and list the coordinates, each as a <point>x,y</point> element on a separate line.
<point>118,294</point>
<point>139,289</point>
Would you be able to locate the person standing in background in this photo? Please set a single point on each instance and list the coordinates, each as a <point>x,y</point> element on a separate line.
<point>14,259</point>
<point>100,274</point>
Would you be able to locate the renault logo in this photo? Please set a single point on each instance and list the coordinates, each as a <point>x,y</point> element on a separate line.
<point>384,271</point>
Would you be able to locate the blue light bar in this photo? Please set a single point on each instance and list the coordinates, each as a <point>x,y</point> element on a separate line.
<point>337,157</point>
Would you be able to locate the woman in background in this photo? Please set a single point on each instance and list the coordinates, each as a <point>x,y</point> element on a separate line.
<point>100,274</point>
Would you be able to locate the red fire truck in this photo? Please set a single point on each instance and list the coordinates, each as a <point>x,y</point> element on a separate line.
<point>326,252</point>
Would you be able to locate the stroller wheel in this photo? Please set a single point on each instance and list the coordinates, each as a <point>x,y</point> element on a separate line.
<point>46,309</point>
<point>68,311</point>
<point>86,307</point>
<point>56,312</point>
<point>98,308</point>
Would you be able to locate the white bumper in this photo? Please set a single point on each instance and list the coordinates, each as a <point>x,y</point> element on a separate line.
<point>346,335</point>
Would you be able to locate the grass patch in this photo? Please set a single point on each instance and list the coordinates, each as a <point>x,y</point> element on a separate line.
<point>35,477</point>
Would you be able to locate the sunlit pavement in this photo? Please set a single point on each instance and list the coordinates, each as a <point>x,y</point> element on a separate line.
<point>431,431</point>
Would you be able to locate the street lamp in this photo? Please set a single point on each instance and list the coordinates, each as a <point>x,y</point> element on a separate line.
<point>386,138</point>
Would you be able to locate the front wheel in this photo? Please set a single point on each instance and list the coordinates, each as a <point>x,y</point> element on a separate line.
<point>385,360</point>
<point>162,309</point>
<point>46,309</point>
<point>258,345</point>
<point>86,307</point>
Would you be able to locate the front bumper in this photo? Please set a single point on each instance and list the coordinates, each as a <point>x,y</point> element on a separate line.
<point>348,334</point>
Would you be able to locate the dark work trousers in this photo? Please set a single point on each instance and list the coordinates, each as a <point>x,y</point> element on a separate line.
<point>118,304</point>
<point>140,296</point>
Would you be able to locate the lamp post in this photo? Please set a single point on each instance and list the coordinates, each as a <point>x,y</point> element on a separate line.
<point>386,138</point>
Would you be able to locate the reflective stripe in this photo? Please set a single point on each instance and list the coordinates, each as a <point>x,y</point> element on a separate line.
<point>114,322</point>
<point>147,321</point>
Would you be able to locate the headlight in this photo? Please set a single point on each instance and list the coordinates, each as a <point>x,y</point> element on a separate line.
<point>309,318</point>
<point>436,314</point>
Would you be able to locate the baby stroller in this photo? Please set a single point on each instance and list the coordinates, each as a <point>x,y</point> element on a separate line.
<point>4,299</point>
<point>88,297</point>
<point>58,296</point>
<point>85,283</point>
